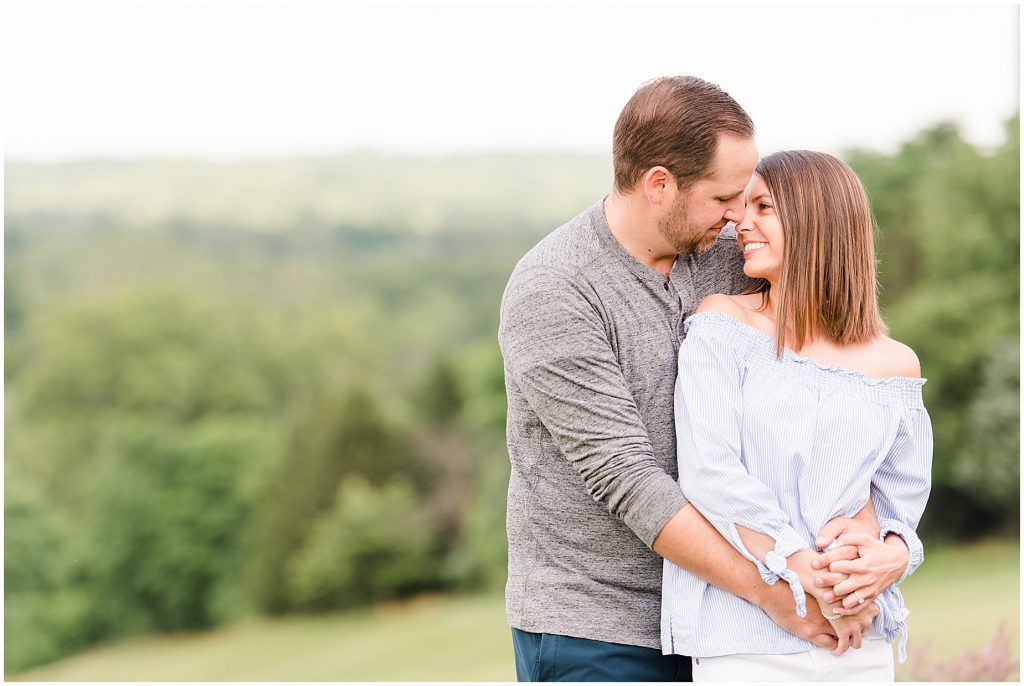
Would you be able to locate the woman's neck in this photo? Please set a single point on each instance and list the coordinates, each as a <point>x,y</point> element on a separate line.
<point>768,301</point>
<point>769,309</point>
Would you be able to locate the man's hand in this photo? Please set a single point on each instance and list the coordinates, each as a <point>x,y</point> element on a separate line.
<point>779,605</point>
<point>850,628</point>
<point>836,636</point>
<point>860,568</point>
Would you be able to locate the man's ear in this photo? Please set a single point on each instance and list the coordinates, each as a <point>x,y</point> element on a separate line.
<point>658,184</point>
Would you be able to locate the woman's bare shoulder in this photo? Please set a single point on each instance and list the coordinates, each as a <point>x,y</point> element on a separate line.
<point>898,358</point>
<point>739,306</point>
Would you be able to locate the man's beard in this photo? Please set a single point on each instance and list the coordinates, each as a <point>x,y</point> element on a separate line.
<point>682,233</point>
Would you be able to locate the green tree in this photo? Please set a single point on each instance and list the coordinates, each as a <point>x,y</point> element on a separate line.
<point>990,462</point>
<point>374,543</point>
<point>337,436</point>
<point>154,352</point>
<point>165,521</point>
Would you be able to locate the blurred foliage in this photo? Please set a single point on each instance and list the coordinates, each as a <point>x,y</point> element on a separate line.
<point>949,219</point>
<point>989,463</point>
<point>275,386</point>
<point>163,549</point>
<point>332,441</point>
<point>374,543</point>
<point>158,353</point>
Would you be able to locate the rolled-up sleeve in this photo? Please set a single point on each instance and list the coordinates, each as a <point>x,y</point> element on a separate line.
<point>708,402</point>
<point>557,352</point>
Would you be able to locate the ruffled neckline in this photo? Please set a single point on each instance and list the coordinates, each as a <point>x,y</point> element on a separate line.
<point>764,344</point>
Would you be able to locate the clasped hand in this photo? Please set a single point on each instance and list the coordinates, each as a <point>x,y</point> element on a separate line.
<point>852,573</point>
<point>858,567</point>
<point>844,581</point>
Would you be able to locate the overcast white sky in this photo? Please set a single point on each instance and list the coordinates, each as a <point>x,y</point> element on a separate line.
<point>226,79</point>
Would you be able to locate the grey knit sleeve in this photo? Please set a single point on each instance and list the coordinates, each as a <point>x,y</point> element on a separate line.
<point>557,350</point>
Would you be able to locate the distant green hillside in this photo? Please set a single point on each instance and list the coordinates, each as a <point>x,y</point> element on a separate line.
<point>480,193</point>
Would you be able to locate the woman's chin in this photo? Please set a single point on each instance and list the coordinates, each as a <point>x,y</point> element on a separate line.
<point>755,272</point>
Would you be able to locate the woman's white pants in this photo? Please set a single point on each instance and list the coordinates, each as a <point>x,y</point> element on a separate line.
<point>872,662</point>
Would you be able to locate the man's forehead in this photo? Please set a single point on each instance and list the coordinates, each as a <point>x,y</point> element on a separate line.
<point>734,163</point>
<point>724,187</point>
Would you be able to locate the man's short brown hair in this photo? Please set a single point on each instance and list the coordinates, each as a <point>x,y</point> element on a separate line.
<point>674,122</point>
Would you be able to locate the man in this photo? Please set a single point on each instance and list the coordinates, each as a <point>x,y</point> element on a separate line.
<point>590,330</point>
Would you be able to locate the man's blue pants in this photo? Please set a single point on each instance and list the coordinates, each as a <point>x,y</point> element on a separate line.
<point>550,657</point>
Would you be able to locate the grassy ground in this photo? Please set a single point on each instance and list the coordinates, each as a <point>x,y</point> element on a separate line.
<point>957,600</point>
<point>463,638</point>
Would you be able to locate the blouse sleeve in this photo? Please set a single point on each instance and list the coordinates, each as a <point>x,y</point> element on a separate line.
<point>899,490</point>
<point>900,487</point>
<point>708,422</point>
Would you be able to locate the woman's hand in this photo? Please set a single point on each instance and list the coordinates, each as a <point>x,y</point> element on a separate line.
<point>860,568</point>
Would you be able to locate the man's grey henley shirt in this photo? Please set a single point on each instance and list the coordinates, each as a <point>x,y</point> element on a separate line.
<point>590,338</point>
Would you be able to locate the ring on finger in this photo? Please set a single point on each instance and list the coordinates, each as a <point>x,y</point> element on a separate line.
<point>860,601</point>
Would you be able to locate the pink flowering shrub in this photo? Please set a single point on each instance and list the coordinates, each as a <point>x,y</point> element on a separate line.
<point>992,662</point>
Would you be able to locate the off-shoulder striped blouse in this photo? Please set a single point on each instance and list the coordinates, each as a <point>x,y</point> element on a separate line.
<point>781,447</point>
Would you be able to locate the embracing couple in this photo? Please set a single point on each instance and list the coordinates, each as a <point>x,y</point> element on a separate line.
<point>717,453</point>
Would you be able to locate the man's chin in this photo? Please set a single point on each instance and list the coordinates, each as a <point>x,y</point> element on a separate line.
<point>705,244</point>
<point>694,242</point>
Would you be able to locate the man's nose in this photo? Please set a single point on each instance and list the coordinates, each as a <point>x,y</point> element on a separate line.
<point>744,223</point>
<point>734,210</point>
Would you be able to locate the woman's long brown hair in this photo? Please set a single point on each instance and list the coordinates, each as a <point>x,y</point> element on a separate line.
<point>828,282</point>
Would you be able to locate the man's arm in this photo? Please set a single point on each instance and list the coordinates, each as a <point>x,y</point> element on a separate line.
<point>558,356</point>
<point>690,541</point>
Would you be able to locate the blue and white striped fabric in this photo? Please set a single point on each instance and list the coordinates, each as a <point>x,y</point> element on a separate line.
<point>781,447</point>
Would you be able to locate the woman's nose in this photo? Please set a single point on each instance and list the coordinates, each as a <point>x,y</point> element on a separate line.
<point>744,224</point>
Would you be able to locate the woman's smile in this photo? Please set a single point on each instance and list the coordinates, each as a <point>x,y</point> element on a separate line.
<point>751,246</point>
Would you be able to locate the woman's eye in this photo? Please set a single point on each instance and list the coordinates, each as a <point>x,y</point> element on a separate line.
<point>764,206</point>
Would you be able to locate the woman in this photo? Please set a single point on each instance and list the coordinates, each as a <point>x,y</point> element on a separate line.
<point>794,407</point>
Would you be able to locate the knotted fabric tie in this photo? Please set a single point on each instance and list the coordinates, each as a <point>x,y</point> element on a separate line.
<point>891,619</point>
<point>777,569</point>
